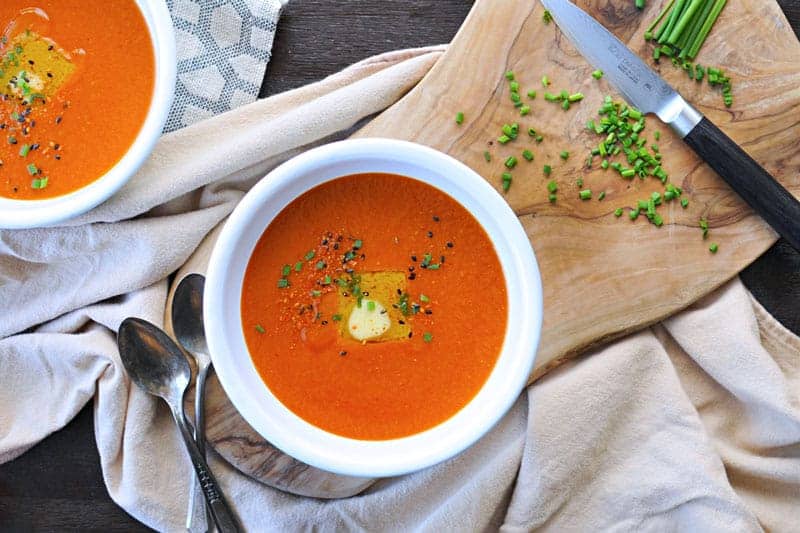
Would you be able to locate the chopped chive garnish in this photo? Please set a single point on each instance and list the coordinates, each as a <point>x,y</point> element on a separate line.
<point>704,227</point>
<point>459,118</point>
<point>24,150</point>
<point>503,139</point>
<point>310,255</point>
<point>424,299</point>
<point>528,155</point>
<point>531,94</point>
<point>601,196</point>
<point>487,156</point>
<point>547,17</point>
<point>552,197</point>
<point>684,203</point>
<point>507,178</point>
<point>552,186</point>
<point>585,194</point>
<point>260,328</point>
<point>357,244</point>
<point>539,138</point>
<point>577,97</point>
<point>336,318</point>
<point>427,336</point>
<point>634,214</point>
<point>547,170</point>
<point>283,283</point>
<point>32,169</point>
<point>320,265</point>
<point>326,280</point>
<point>597,74</point>
<point>434,266</point>
<point>524,110</point>
<point>511,162</point>
<point>564,155</point>
<point>370,305</point>
<point>285,270</point>
<point>545,81</point>
<point>315,293</point>
<point>514,86</point>
<point>510,75</point>
<point>298,266</point>
<point>713,248</point>
<point>618,212</point>
<point>39,183</point>
<point>12,139</point>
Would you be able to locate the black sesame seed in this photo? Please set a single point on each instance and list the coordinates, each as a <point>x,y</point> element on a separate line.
<point>344,294</point>
<point>399,292</point>
<point>410,333</point>
<point>49,74</point>
<point>324,242</point>
<point>58,157</point>
<point>414,258</point>
<point>449,244</point>
<point>428,312</point>
<point>30,62</point>
<point>441,259</point>
<point>56,146</point>
<point>401,322</point>
<point>324,322</point>
<point>343,353</point>
<point>435,218</point>
<point>58,119</point>
<point>365,293</point>
<point>35,146</point>
<point>411,268</point>
<point>336,246</point>
<point>412,276</point>
<point>430,234</point>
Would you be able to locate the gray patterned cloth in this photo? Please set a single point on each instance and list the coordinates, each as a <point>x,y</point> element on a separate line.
<point>223,48</point>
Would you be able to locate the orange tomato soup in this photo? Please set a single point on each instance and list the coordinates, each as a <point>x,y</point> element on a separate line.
<point>374,306</point>
<point>76,81</point>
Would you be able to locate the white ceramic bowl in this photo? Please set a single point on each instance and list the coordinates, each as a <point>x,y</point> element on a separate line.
<point>15,214</point>
<point>265,413</point>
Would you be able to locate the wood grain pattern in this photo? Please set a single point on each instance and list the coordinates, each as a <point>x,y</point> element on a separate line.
<point>602,276</point>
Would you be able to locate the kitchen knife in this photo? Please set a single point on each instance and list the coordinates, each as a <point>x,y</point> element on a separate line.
<point>648,92</point>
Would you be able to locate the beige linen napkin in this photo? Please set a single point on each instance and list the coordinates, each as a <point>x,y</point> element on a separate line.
<point>690,425</point>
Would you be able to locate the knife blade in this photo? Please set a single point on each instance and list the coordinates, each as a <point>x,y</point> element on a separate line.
<point>647,91</point>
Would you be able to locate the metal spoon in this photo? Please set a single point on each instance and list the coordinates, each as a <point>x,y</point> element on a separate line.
<point>187,323</point>
<point>156,364</point>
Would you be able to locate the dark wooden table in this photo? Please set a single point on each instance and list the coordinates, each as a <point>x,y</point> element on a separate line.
<point>58,486</point>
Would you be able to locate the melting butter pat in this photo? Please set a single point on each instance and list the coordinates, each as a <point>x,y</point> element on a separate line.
<point>368,321</point>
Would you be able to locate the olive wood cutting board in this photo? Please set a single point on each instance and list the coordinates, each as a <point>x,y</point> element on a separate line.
<point>603,276</point>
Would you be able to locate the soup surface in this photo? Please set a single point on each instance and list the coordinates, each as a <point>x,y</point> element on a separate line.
<point>374,306</point>
<point>76,81</point>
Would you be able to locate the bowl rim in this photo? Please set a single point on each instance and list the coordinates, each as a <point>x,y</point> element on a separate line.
<point>310,444</point>
<point>24,214</point>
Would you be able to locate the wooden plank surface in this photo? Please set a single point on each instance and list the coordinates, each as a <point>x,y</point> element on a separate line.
<point>59,484</point>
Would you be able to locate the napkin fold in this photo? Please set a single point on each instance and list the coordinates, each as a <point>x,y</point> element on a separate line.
<point>691,424</point>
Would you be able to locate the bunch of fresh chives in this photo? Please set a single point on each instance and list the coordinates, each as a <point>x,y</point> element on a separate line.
<point>684,26</point>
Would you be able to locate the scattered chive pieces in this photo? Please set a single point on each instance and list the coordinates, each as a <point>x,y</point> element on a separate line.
<point>286,270</point>
<point>514,86</point>
<point>684,203</point>
<point>564,155</point>
<point>24,150</point>
<point>565,105</point>
<point>298,266</point>
<point>510,75</point>
<point>547,170</point>
<point>704,227</point>
<point>326,280</point>
<point>320,265</point>
<point>315,293</point>
<point>531,94</point>
<point>601,196</point>
<point>524,110</point>
<point>357,244</point>
<point>427,336</point>
<point>39,183</point>
<point>618,212</point>
<point>552,186</point>
<point>552,197</point>
<point>639,4</point>
<point>577,97</point>
<point>459,118</point>
<point>283,283</point>
<point>532,132</point>
<point>634,214</point>
<point>547,17</point>
<point>336,318</point>
<point>487,156</point>
<point>579,182</point>
<point>657,135</point>
<point>545,81</point>
<point>12,139</point>
<point>503,139</point>
<point>585,194</point>
<point>32,169</point>
<point>370,305</point>
<point>528,155</point>
<point>260,328</point>
<point>511,162</point>
<point>713,248</point>
<point>539,138</point>
<point>310,255</point>
<point>597,74</point>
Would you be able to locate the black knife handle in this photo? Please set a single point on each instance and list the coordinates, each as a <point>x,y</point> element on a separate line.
<point>755,185</point>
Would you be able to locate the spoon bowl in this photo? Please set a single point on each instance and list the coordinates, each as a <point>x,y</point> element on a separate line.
<point>152,359</point>
<point>187,314</point>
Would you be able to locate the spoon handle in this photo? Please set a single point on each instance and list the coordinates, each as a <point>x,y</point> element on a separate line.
<point>220,512</point>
